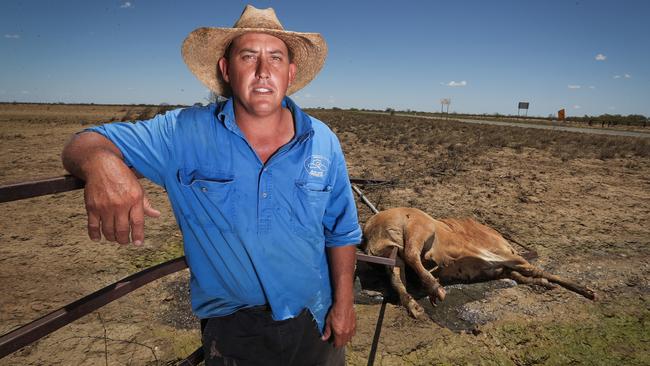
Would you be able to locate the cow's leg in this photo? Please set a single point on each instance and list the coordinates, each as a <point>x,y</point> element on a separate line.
<point>531,280</point>
<point>532,271</point>
<point>412,257</point>
<point>398,280</point>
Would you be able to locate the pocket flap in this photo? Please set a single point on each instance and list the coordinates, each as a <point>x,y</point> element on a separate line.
<point>188,176</point>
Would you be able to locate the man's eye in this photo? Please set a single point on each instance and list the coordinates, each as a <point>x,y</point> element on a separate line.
<point>248,57</point>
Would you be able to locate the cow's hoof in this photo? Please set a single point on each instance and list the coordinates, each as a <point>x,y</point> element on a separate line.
<point>415,309</point>
<point>438,294</point>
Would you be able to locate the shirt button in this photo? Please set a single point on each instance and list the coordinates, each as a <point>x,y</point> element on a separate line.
<point>204,189</point>
<point>265,169</point>
<point>264,195</point>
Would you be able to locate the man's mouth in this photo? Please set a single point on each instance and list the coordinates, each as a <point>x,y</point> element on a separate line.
<point>263,90</point>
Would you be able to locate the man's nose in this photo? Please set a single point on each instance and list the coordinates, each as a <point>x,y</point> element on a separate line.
<point>262,68</point>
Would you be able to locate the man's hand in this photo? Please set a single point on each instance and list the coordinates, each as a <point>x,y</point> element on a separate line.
<point>340,322</point>
<point>115,202</point>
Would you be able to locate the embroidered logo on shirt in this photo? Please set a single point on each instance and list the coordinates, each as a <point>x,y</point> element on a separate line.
<point>317,165</point>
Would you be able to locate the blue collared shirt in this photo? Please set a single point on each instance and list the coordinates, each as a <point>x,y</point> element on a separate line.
<point>253,233</point>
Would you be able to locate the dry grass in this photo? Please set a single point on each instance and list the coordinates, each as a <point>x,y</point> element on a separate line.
<point>456,140</point>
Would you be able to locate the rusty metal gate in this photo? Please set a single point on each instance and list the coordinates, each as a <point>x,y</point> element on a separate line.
<point>39,328</point>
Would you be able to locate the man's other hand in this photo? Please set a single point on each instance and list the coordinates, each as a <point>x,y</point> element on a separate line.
<point>341,323</point>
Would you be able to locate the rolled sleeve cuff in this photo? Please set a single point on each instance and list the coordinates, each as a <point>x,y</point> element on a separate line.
<point>351,238</point>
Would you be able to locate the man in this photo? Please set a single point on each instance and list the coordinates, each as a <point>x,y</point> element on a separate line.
<point>260,192</point>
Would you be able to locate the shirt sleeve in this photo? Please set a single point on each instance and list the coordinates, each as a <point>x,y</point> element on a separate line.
<point>341,221</point>
<point>145,145</point>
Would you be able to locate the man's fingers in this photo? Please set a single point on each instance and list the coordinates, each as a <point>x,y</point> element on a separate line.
<point>122,228</point>
<point>136,218</point>
<point>93,227</point>
<point>341,339</point>
<point>108,227</point>
<point>327,332</point>
<point>148,209</point>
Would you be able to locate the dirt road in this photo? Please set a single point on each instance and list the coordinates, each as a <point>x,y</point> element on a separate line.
<point>533,125</point>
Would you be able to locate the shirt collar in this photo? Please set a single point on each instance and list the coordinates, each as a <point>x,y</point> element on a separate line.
<point>302,122</point>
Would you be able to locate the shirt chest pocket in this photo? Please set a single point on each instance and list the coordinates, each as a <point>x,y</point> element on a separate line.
<point>211,195</point>
<point>310,202</point>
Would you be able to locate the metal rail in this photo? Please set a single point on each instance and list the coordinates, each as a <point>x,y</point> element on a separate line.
<point>47,324</point>
<point>40,187</point>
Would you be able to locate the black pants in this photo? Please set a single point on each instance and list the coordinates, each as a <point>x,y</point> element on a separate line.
<point>252,337</point>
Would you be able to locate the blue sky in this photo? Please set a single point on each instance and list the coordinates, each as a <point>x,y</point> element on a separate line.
<point>590,57</point>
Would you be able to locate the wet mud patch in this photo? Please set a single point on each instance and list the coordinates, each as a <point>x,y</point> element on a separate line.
<point>455,312</point>
<point>459,312</point>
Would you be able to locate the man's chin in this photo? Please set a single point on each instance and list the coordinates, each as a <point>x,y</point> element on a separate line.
<point>265,104</point>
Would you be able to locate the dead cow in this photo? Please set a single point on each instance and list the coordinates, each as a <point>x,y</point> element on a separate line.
<point>457,249</point>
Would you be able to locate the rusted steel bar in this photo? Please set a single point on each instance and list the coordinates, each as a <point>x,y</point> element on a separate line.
<point>365,200</point>
<point>393,255</point>
<point>369,181</point>
<point>374,259</point>
<point>41,187</point>
<point>380,319</point>
<point>39,328</point>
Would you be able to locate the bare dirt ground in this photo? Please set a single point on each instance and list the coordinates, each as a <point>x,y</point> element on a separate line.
<point>581,201</point>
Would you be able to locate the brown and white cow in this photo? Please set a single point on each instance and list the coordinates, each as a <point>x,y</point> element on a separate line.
<point>457,249</point>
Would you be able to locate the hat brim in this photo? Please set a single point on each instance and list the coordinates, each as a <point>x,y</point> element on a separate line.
<point>203,48</point>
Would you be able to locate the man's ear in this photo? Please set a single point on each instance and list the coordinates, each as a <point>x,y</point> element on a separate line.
<point>223,68</point>
<point>292,72</point>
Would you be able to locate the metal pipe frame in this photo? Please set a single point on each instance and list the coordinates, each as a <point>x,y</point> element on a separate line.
<point>39,328</point>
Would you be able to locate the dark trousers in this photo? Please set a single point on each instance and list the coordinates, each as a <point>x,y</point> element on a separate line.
<point>251,337</point>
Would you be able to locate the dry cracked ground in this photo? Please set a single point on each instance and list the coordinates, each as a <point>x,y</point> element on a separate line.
<point>582,202</point>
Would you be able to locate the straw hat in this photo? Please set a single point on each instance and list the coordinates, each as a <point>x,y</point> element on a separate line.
<point>203,48</point>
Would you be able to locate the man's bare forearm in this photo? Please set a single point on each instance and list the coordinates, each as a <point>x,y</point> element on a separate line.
<point>115,201</point>
<point>86,148</point>
<point>341,262</point>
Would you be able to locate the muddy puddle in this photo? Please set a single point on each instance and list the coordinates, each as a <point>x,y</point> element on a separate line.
<point>372,286</point>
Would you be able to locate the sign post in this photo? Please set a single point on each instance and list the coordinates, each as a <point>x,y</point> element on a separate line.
<point>524,106</point>
<point>445,102</point>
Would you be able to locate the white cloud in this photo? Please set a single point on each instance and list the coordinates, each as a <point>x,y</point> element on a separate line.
<point>592,87</point>
<point>617,76</point>
<point>576,106</point>
<point>126,5</point>
<point>627,76</point>
<point>12,36</point>
<point>24,92</point>
<point>600,57</point>
<point>457,84</point>
<point>611,108</point>
<point>571,86</point>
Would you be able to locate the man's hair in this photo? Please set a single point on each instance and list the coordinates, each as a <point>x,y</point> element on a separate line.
<point>226,53</point>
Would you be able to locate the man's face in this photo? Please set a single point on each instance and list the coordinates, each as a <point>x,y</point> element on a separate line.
<point>258,71</point>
